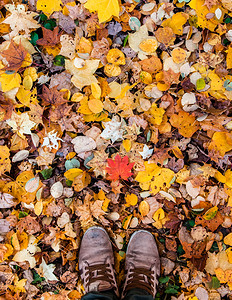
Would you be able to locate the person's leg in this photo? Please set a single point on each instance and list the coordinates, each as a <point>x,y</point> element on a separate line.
<point>96,265</point>
<point>138,294</point>
<point>142,267</point>
<point>107,295</point>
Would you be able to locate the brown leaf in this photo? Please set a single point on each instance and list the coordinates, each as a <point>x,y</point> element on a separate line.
<point>70,279</point>
<point>212,224</point>
<point>171,77</point>
<point>6,108</point>
<point>50,38</point>
<point>171,244</point>
<point>15,55</point>
<point>151,65</point>
<point>6,277</point>
<point>29,224</point>
<point>52,96</point>
<point>210,3</point>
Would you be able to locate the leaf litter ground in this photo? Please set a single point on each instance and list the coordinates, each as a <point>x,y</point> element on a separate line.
<point>118,114</point>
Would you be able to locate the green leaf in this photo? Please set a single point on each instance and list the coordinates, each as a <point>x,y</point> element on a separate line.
<point>34,38</point>
<point>46,173</point>
<point>88,159</point>
<point>164,279</point>
<point>69,182</point>
<point>37,278</point>
<point>125,40</point>
<point>172,289</point>
<point>50,24</point>
<point>22,214</point>
<point>211,213</point>
<point>43,17</point>
<point>214,283</point>
<point>200,84</point>
<point>59,60</point>
<point>72,163</point>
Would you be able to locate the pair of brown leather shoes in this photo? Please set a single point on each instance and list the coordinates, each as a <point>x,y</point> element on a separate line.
<point>96,262</point>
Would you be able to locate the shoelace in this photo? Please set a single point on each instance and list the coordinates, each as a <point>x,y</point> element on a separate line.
<point>99,272</point>
<point>136,279</point>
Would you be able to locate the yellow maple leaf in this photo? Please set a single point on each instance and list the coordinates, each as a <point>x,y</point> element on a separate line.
<point>224,276</point>
<point>18,285</point>
<point>27,97</point>
<point>49,6</point>
<point>155,178</point>
<point>105,8</point>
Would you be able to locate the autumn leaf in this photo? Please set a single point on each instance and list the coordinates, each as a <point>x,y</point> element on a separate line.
<point>15,56</point>
<point>5,164</point>
<point>186,123</point>
<point>119,168</point>
<point>105,8</point>
<point>48,7</point>
<point>52,96</point>
<point>50,37</point>
<point>21,124</point>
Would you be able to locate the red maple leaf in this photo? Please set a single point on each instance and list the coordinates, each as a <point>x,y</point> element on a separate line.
<point>119,168</point>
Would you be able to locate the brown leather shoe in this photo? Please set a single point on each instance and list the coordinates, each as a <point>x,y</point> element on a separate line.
<point>96,261</point>
<point>142,263</point>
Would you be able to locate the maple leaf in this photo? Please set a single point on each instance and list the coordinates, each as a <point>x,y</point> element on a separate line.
<point>52,96</point>
<point>20,20</point>
<point>48,7</point>
<point>119,168</point>
<point>105,8</point>
<point>46,271</point>
<point>15,55</point>
<point>50,38</point>
<point>98,163</point>
<point>21,124</point>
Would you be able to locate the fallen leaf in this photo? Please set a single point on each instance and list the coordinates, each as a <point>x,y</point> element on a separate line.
<point>119,168</point>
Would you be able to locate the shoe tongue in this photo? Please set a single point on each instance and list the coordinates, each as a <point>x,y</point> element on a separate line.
<point>99,286</point>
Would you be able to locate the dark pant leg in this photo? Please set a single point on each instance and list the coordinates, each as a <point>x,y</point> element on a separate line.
<point>106,295</point>
<point>138,294</point>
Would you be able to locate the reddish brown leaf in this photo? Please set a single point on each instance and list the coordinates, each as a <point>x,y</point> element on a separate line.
<point>52,96</point>
<point>15,55</point>
<point>50,38</point>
